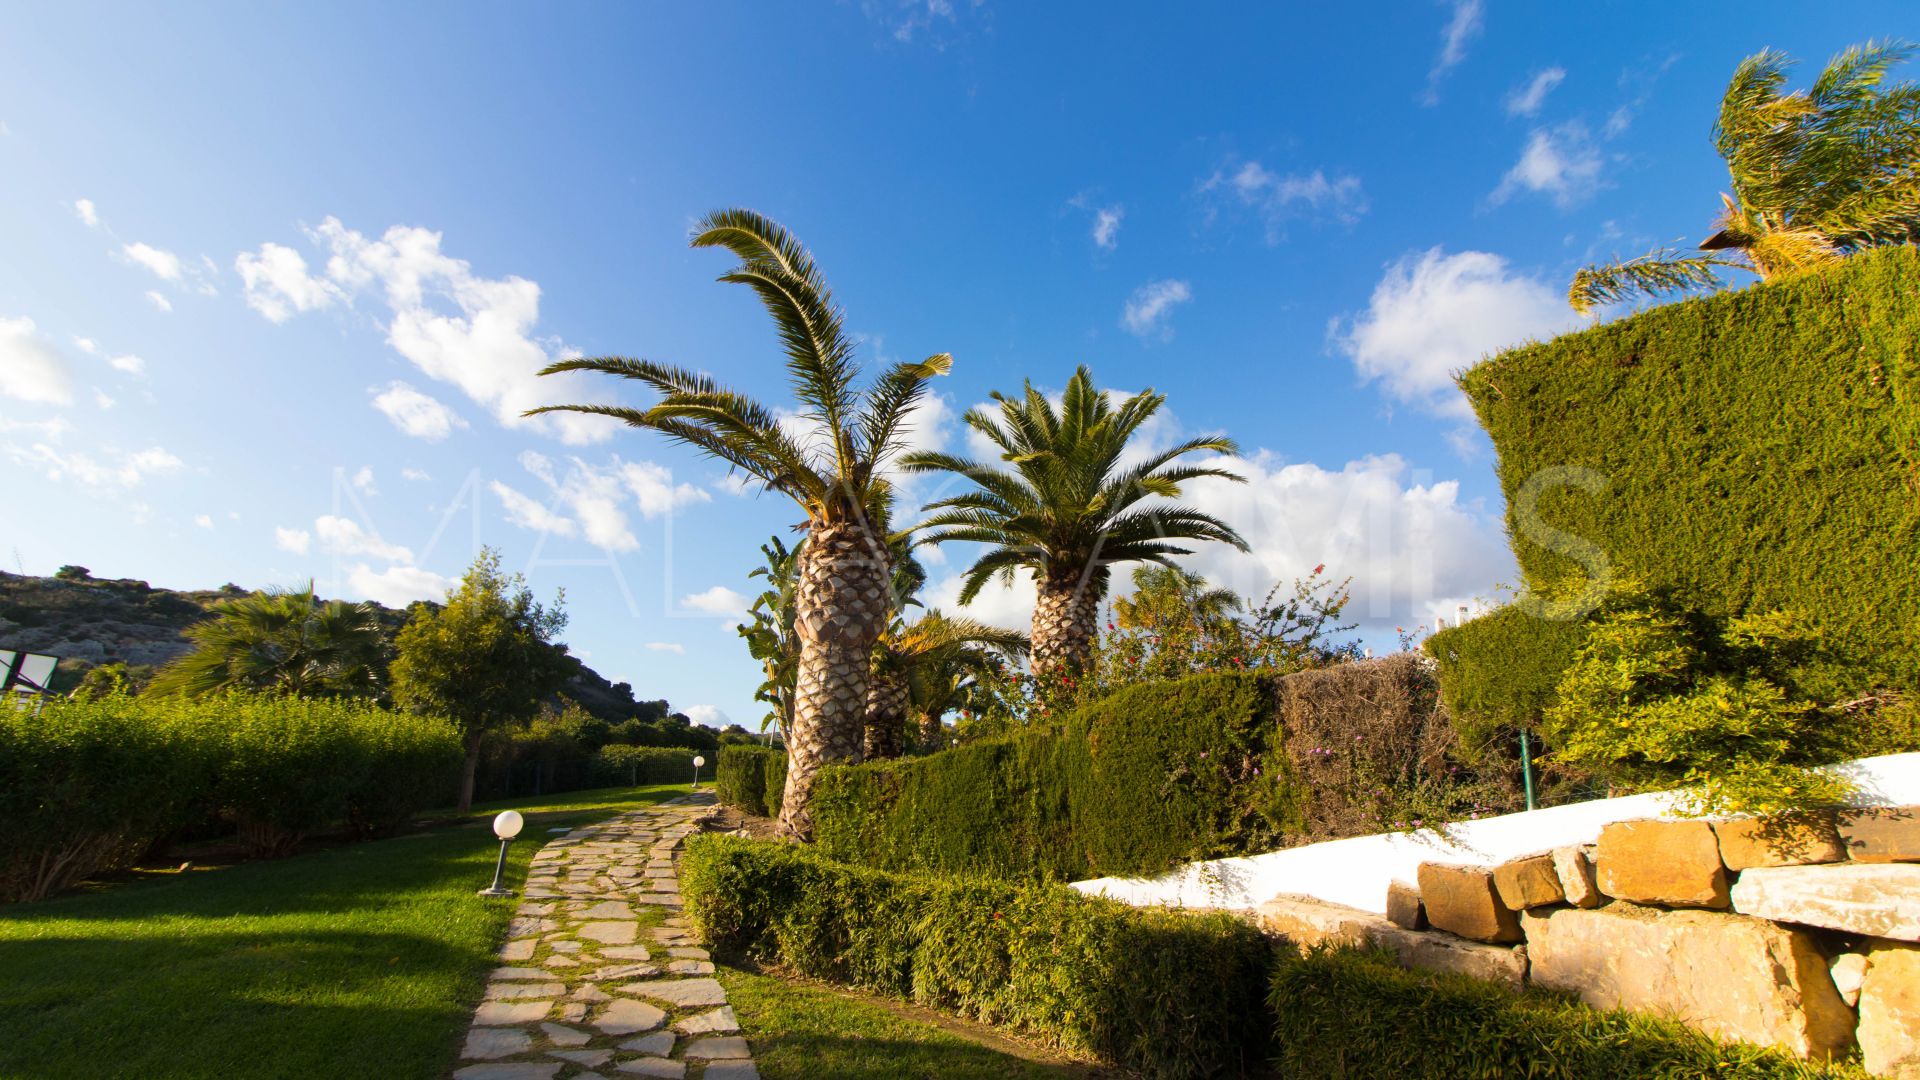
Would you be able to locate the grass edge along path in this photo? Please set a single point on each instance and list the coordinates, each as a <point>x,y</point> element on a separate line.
<point>364,960</point>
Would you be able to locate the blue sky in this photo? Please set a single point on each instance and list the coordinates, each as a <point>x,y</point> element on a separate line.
<point>276,277</point>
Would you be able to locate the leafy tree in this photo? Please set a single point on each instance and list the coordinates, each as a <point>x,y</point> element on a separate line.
<point>842,601</point>
<point>1817,175</point>
<point>1069,509</point>
<point>284,641</point>
<point>920,667</point>
<point>72,572</point>
<point>486,661</point>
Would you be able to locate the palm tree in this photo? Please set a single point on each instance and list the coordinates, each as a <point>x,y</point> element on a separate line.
<point>908,665</point>
<point>770,636</point>
<point>1069,509</point>
<point>1816,174</point>
<point>281,641</point>
<point>1167,595</point>
<point>842,600</point>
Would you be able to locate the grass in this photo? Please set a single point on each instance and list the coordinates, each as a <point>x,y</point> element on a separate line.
<point>365,960</point>
<point>800,1030</point>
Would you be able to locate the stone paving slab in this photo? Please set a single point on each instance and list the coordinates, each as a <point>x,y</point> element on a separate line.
<point>600,977</point>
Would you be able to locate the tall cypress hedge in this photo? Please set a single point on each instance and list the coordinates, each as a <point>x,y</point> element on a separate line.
<point>1760,450</point>
<point>1150,777</point>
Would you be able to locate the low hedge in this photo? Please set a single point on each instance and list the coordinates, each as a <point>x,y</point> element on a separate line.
<point>1152,776</point>
<point>617,764</point>
<point>1355,1014</point>
<point>1160,992</point>
<point>752,779</point>
<point>86,786</point>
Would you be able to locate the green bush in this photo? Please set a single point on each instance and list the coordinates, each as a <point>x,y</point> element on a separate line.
<point>1358,1015</point>
<point>1134,783</point>
<point>86,786</point>
<point>617,764</point>
<point>1498,672</point>
<point>411,762</point>
<point>743,778</point>
<point>1161,992</point>
<point>1758,449</point>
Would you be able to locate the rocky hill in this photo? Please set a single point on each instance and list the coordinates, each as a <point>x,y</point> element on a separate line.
<point>87,621</point>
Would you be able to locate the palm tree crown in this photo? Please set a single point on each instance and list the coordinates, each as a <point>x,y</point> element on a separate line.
<point>1817,175</point>
<point>1068,508</point>
<point>281,640</point>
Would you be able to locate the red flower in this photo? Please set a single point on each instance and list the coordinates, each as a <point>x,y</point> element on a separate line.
<point>1319,568</point>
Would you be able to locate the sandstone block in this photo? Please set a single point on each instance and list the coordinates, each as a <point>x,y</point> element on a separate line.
<point>1462,900</point>
<point>1404,908</point>
<point>1306,921</point>
<point>1849,970</point>
<point>1528,882</point>
<point>1574,865</point>
<point>1798,840</point>
<point>1876,900</point>
<point>1670,863</point>
<point>1882,834</point>
<point>1890,1011</point>
<point>1730,976</point>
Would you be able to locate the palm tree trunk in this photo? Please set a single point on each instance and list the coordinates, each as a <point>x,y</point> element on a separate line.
<point>933,734</point>
<point>1065,617</point>
<point>888,698</point>
<point>842,604</point>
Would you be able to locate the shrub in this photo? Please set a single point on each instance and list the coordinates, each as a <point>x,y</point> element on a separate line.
<point>1355,1014</point>
<point>86,786</point>
<point>1134,783</point>
<point>742,779</point>
<point>1161,992</point>
<point>1758,449</point>
<point>1498,672</point>
<point>619,764</point>
<point>411,763</point>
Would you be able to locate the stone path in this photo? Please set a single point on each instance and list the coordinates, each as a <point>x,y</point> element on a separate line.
<point>601,977</point>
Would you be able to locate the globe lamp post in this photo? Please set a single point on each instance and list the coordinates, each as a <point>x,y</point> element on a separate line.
<point>506,826</point>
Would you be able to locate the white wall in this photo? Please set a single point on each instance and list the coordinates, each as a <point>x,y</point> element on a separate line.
<point>1355,871</point>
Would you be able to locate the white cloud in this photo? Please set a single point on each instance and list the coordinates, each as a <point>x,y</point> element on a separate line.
<point>1149,311</point>
<point>654,490</point>
<point>87,213</point>
<point>1106,226</point>
<point>1462,25</point>
<point>737,483</point>
<point>414,474</point>
<point>163,264</point>
<point>1526,100</point>
<point>419,415</point>
<point>1278,199</point>
<point>159,300</point>
<point>340,536</point>
<point>450,323</point>
<point>277,283</point>
<point>1562,162</point>
<point>296,541</point>
<point>1006,606</point>
<point>203,521</point>
<point>398,586</point>
<point>31,369</point>
<point>673,647</point>
<point>363,481</point>
<point>101,399</point>
<point>718,600</point>
<point>1433,315</point>
<point>707,716</point>
<point>530,514</point>
<point>119,472</point>
<point>127,362</point>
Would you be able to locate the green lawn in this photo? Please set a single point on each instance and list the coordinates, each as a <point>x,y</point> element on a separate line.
<point>365,960</point>
<point>800,1031</point>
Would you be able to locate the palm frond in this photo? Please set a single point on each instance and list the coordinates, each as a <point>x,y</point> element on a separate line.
<point>1657,273</point>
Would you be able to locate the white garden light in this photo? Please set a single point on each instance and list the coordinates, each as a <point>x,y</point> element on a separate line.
<point>506,825</point>
<point>698,761</point>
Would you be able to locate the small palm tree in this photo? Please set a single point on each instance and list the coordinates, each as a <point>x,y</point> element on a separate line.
<point>908,664</point>
<point>842,600</point>
<point>281,641</point>
<point>1817,175</point>
<point>1068,510</point>
<point>1167,595</point>
<point>770,636</point>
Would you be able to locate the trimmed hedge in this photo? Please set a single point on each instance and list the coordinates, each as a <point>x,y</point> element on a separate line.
<point>1499,672</point>
<point>1162,992</point>
<point>752,779</point>
<point>618,764</point>
<point>1147,778</point>
<point>1759,448</point>
<point>1356,1014</point>
<point>86,786</point>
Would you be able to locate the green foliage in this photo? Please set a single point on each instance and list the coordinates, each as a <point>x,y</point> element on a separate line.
<point>770,636</point>
<point>281,642</point>
<point>1498,672</point>
<point>1163,993</point>
<point>751,778</point>
<point>1358,1015</point>
<point>1152,776</point>
<point>1756,452</point>
<point>1662,697</point>
<point>87,786</point>
<point>636,765</point>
